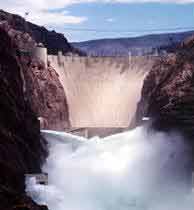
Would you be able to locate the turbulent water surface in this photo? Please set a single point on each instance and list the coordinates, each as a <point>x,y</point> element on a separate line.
<point>130,171</point>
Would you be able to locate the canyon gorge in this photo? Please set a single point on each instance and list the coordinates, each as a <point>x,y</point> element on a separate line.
<point>71,90</point>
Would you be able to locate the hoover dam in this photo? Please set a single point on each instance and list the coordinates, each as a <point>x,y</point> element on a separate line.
<point>101,91</point>
<point>70,135</point>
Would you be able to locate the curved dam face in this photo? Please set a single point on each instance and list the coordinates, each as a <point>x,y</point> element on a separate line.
<point>101,91</point>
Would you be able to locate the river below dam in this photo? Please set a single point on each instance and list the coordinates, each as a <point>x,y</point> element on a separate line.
<point>134,170</point>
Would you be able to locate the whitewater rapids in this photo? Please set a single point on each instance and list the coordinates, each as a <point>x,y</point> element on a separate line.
<point>136,170</point>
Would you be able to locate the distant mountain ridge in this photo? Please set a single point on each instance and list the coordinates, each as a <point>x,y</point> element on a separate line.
<point>136,45</point>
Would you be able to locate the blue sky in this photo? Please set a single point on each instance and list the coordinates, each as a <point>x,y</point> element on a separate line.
<point>119,18</point>
<point>138,19</point>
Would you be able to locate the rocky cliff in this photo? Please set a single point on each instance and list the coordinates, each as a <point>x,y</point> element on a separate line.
<point>168,93</point>
<point>22,149</point>
<point>46,96</point>
<point>53,41</point>
<point>41,84</point>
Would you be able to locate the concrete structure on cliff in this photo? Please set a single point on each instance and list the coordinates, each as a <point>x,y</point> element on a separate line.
<point>40,52</point>
<point>100,91</point>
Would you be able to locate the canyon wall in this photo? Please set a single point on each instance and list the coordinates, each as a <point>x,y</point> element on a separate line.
<point>101,91</point>
<point>31,97</point>
<point>41,84</point>
<point>167,96</point>
<point>52,40</point>
<point>22,149</point>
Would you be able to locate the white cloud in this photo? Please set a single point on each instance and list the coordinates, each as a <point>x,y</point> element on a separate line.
<point>149,1</point>
<point>110,20</point>
<point>54,19</point>
<point>40,9</point>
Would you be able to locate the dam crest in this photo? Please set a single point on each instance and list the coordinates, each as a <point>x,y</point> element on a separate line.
<point>101,92</point>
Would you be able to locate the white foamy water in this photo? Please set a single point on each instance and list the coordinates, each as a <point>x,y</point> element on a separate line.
<point>136,170</point>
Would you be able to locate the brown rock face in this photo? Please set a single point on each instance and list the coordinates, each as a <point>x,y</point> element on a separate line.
<point>168,93</point>
<point>46,96</point>
<point>53,41</point>
<point>41,84</point>
<point>22,149</point>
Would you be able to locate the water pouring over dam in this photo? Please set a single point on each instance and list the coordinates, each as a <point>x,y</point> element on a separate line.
<point>135,170</point>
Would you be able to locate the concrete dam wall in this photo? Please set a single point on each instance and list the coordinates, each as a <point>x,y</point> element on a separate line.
<point>101,91</point>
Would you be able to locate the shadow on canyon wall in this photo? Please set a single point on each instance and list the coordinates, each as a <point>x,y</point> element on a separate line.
<point>41,85</point>
<point>22,149</point>
<point>167,96</point>
<point>99,92</point>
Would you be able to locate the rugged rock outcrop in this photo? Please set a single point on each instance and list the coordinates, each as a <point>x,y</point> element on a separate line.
<point>22,149</point>
<point>41,84</point>
<point>53,41</point>
<point>46,96</point>
<point>168,93</point>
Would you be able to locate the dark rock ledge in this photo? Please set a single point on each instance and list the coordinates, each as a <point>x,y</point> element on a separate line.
<point>168,94</point>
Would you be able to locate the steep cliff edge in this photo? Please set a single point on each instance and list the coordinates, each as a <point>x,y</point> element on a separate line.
<point>41,84</point>
<point>46,96</point>
<point>53,41</point>
<point>168,93</point>
<point>22,150</point>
